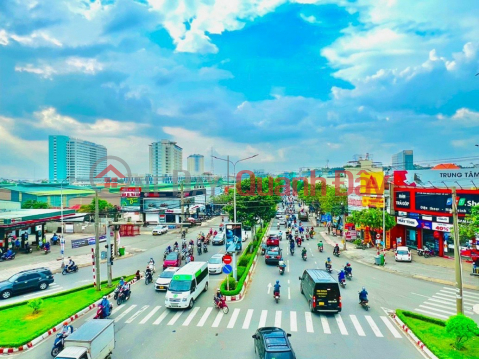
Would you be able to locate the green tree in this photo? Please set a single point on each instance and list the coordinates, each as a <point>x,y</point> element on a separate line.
<point>36,304</point>
<point>471,228</point>
<point>330,199</point>
<point>461,328</point>
<point>34,204</point>
<point>103,207</point>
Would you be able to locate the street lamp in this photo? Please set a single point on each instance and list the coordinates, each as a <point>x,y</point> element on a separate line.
<point>234,176</point>
<point>62,240</point>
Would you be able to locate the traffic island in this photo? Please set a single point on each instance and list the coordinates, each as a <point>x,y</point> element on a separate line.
<point>26,328</point>
<point>430,336</point>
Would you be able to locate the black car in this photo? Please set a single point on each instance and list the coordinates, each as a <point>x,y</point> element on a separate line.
<point>321,291</point>
<point>272,343</point>
<point>26,281</point>
<point>273,255</point>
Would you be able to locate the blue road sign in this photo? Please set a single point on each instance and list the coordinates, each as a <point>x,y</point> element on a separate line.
<point>227,269</point>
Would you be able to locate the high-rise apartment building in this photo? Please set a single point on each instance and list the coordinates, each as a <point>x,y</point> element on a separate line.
<point>196,164</point>
<point>403,160</point>
<point>165,157</point>
<point>74,159</point>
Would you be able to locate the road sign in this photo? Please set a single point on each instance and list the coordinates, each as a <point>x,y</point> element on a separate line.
<point>227,259</point>
<point>227,269</point>
<point>378,236</point>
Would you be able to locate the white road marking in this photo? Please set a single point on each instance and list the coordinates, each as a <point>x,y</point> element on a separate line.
<point>247,319</point>
<point>175,318</point>
<point>464,293</point>
<point>233,319</point>
<point>160,318</point>
<point>218,318</point>
<point>373,326</point>
<point>262,319</point>
<point>450,312</point>
<point>293,323</point>
<point>269,288</point>
<point>357,326</point>
<point>133,306</point>
<point>134,316</point>
<point>432,313</point>
<point>287,267</point>
<point>204,317</point>
<point>289,292</point>
<point>191,316</point>
<point>309,322</point>
<point>391,327</point>
<point>150,314</point>
<point>433,305</point>
<point>117,309</point>
<point>277,319</point>
<point>342,327</point>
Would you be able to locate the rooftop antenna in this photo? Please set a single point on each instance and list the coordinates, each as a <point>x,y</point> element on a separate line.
<point>458,184</point>
<point>432,184</point>
<point>446,184</point>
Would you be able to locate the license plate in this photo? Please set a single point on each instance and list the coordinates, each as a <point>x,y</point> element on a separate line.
<point>321,303</point>
<point>174,305</point>
<point>161,287</point>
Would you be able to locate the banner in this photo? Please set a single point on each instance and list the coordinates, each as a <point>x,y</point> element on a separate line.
<point>83,242</point>
<point>437,178</point>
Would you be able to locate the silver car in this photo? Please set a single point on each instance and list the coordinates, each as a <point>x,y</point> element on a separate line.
<point>219,238</point>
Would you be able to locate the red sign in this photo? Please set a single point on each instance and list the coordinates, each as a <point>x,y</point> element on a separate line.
<point>227,259</point>
<point>130,191</point>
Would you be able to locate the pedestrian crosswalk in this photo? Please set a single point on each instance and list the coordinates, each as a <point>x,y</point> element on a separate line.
<point>443,303</point>
<point>244,319</point>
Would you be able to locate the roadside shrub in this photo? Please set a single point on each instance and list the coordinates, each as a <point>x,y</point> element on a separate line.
<point>240,270</point>
<point>421,317</point>
<point>36,304</point>
<point>461,328</point>
<point>244,259</point>
<point>232,283</point>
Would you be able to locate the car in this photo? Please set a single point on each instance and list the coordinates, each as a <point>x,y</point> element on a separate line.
<point>215,264</point>
<point>159,230</point>
<point>272,240</point>
<point>282,221</point>
<point>164,279</point>
<point>279,215</point>
<point>272,342</point>
<point>402,254</point>
<point>26,281</point>
<point>273,255</point>
<point>219,238</point>
<point>172,260</point>
<point>321,291</point>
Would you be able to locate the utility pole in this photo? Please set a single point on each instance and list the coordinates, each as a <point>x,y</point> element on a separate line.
<point>182,204</point>
<point>457,255</point>
<point>97,243</point>
<point>115,234</point>
<point>109,258</point>
<point>227,172</point>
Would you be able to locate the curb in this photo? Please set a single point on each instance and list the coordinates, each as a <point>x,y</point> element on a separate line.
<point>409,332</point>
<point>56,328</point>
<point>241,295</point>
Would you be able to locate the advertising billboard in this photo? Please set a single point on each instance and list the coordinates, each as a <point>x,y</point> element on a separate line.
<point>464,178</point>
<point>155,204</point>
<point>130,204</point>
<point>234,234</point>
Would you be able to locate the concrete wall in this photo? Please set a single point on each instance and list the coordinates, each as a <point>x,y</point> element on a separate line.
<point>5,194</point>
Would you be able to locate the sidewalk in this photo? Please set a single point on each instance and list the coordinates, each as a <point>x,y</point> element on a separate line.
<point>435,269</point>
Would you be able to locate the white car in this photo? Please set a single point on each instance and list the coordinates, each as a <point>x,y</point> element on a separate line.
<point>215,264</point>
<point>219,238</point>
<point>159,230</point>
<point>402,254</point>
<point>164,279</point>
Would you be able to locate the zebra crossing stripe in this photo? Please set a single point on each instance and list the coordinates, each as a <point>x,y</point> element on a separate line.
<point>325,324</point>
<point>437,310</point>
<point>191,316</point>
<point>218,318</point>
<point>277,319</point>
<point>309,322</point>
<point>160,318</point>
<point>357,326</point>
<point>464,293</point>
<point>117,309</point>
<point>204,317</point>
<point>391,327</point>
<point>175,318</point>
<point>342,327</point>
<point>138,312</point>
<point>233,319</point>
<point>247,319</point>
<point>293,323</point>
<point>150,314</point>
<point>373,326</point>
<point>133,306</point>
<point>262,319</point>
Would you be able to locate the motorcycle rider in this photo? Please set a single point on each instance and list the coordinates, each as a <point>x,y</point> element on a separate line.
<point>282,265</point>
<point>280,234</point>
<point>336,249</point>
<point>320,245</point>
<point>363,295</point>
<point>66,330</point>
<point>105,303</point>
<point>276,288</point>
<point>217,297</point>
<point>303,252</point>
<point>176,245</point>
<point>126,289</point>
<point>291,245</point>
<point>348,269</point>
<point>122,282</point>
<point>149,273</point>
<point>341,276</point>
<point>70,265</point>
<point>328,263</point>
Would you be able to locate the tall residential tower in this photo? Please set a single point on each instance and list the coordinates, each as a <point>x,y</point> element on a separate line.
<point>196,164</point>
<point>403,160</point>
<point>165,157</point>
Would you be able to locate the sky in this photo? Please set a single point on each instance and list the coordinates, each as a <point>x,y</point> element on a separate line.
<point>298,82</point>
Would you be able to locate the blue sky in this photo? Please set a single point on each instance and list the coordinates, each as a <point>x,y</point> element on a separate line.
<point>299,82</point>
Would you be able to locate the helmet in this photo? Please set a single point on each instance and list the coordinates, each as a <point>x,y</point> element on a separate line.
<point>329,259</point>
<point>104,297</point>
<point>65,324</point>
<point>277,282</point>
<point>364,288</point>
<point>342,270</point>
<point>349,265</point>
<point>122,278</point>
<point>337,245</point>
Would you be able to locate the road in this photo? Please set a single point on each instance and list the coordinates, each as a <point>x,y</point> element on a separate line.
<point>145,326</point>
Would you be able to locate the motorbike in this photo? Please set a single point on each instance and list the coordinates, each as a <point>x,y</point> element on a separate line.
<point>121,297</point>
<point>349,276</point>
<point>276,297</point>
<point>329,269</point>
<point>221,304</point>
<point>364,304</point>
<point>99,312</point>
<point>27,249</point>
<point>426,252</point>
<point>278,226</point>
<point>205,248</point>
<point>184,252</point>
<point>307,236</point>
<point>343,283</point>
<point>304,256</point>
<point>320,249</point>
<point>5,258</point>
<point>291,250</point>
<point>336,254</point>
<point>148,278</point>
<point>263,251</point>
<point>116,292</point>
<point>67,269</point>
<point>152,267</point>
<point>58,344</point>
<point>199,250</point>
<point>281,270</point>
<point>46,249</point>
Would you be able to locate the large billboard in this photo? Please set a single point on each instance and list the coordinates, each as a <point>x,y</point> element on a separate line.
<point>461,178</point>
<point>234,234</point>
<point>434,201</point>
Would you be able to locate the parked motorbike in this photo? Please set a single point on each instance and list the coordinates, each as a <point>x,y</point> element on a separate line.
<point>276,297</point>
<point>221,304</point>
<point>426,252</point>
<point>67,269</point>
<point>27,249</point>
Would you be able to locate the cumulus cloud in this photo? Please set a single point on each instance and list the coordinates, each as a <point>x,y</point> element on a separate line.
<point>69,65</point>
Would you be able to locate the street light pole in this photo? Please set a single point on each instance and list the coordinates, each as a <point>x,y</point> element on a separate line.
<point>62,240</point>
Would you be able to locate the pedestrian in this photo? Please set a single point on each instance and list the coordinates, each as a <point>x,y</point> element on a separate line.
<point>329,227</point>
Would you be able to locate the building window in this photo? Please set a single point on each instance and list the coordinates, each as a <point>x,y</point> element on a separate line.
<point>411,238</point>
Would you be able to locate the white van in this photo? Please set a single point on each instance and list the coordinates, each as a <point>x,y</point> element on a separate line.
<point>187,284</point>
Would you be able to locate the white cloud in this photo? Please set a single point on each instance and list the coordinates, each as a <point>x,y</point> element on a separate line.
<point>465,117</point>
<point>310,19</point>
<point>36,39</point>
<point>3,37</point>
<point>69,65</point>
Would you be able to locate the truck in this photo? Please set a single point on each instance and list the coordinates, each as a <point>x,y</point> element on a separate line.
<point>93,340</point>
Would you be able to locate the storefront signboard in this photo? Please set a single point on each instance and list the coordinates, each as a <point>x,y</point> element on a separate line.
<point>441,227</point>
<point>410,222</point>
<point>442,219</point>
<point>436,178</point>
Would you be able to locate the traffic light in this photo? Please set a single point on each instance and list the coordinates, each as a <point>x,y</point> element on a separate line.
<point>111,253</point>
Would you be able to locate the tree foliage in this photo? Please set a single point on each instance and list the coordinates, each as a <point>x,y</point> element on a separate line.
<point>103,207</point>
<point>461,328</point>
<point>372,218</point>
<point>36,304</point>
<point>329,199</point>
<point>34,204</point>
<point>470,229</point>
